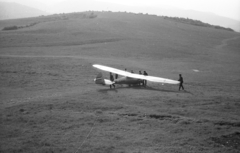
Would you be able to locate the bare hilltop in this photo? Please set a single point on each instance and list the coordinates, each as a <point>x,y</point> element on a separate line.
<point>49,102</point>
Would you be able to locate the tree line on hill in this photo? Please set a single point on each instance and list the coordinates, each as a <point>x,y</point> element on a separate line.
<point>196,23</point>
<point>19,27</point>
<point>54,17</point>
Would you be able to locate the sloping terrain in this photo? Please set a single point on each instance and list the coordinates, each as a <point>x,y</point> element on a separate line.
<point>49,102</point>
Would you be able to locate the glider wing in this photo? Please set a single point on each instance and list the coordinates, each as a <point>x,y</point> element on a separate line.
<point>137,76</point>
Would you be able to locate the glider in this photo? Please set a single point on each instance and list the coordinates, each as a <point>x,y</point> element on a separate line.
<point>128,78</point>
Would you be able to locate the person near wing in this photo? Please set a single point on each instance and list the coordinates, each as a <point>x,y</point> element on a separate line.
<point>112,79</point>
<point>145,81</point>
<point>181,82</point>
<point>141,81</point>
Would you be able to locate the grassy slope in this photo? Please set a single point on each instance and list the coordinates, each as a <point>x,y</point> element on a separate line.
<point>49,101</point>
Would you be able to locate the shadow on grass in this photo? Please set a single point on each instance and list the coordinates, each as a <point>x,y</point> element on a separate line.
<point>107,90</point>
<point>140,88</point>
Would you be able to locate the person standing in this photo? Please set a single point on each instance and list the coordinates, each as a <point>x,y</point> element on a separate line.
<point>145,81</point>
<point>181,82</point>
<point>141,81</point>
<point>112,79</point>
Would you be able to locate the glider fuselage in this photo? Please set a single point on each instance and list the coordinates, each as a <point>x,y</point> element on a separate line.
<point>128,81</point>
<point>122,80</point>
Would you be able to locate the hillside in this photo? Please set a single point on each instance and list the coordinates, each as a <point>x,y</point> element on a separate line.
<point>50,103</point>
<point>206,17</point>
<point>68,6</point>
<point>77,28</point>
<point>15,10</point>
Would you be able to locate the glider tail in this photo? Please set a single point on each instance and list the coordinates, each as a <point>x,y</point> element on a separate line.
<point>99,80</point>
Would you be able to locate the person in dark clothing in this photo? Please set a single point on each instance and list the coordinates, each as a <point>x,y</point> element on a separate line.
<point>112,79</point>
<point>181,82</point>
<point>145,81</point>
<point>116,76</point>
<point>141,81</point>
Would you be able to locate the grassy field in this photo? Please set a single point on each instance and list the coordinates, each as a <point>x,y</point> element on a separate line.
<point>49,102</point>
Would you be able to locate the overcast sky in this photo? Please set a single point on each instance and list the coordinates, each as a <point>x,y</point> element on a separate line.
<point>227,8</point>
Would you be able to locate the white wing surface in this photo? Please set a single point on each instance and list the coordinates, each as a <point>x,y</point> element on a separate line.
<point>137,76</point>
